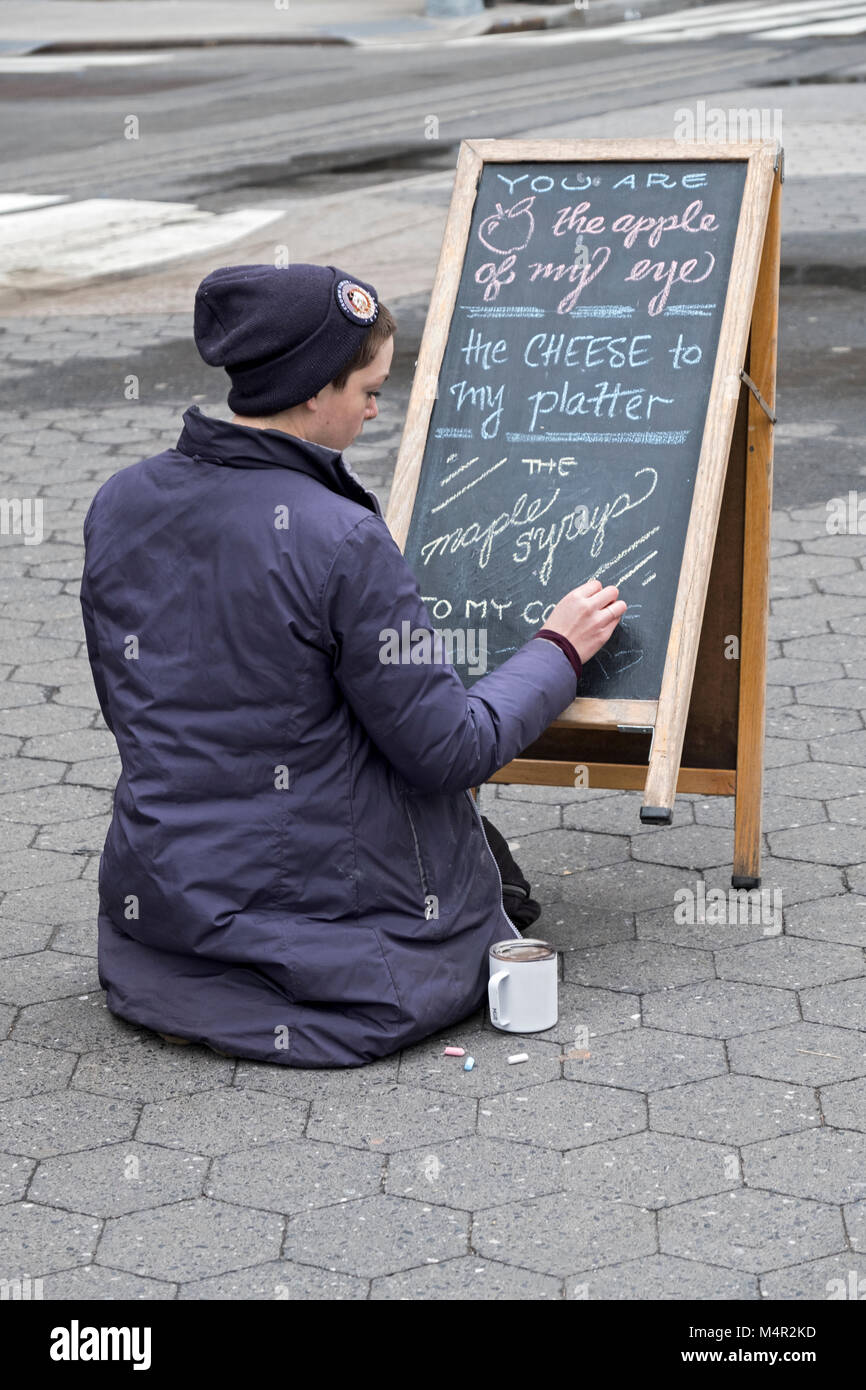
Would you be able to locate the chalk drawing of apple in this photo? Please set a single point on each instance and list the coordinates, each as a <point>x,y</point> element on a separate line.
<point>508,229</point>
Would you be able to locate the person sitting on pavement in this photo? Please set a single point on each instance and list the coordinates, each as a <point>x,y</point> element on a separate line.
<point>295,871</point>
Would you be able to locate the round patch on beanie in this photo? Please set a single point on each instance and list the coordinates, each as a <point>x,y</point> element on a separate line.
<point>356,302</point>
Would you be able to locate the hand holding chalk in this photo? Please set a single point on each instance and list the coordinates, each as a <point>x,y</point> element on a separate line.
<point>587,616</point>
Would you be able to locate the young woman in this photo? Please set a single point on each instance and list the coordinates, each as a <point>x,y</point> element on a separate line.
<point>295,870</point>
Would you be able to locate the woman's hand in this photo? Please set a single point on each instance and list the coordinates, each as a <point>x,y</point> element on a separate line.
<point>587,616</point>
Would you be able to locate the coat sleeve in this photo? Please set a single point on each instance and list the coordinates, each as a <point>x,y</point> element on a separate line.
<point>93,647</point>
<point>439,736</point>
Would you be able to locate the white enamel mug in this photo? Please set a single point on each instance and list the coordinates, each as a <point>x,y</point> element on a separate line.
<point>522,989</point>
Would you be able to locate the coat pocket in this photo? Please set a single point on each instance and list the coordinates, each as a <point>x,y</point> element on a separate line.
<point>431,900</point>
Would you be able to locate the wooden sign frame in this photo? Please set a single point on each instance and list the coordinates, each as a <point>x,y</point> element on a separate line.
<point>739,512</point>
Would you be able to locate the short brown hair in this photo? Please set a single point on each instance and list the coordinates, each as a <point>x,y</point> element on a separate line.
<point>381,331</point>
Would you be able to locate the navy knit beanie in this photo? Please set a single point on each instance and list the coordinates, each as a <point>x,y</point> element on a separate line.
<point>281,332</point>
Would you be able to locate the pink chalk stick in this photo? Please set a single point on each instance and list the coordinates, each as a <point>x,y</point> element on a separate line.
<point>454,1052</point>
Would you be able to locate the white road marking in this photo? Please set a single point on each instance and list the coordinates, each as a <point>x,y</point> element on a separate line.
<point>37,63</point>
<point>108,236</point>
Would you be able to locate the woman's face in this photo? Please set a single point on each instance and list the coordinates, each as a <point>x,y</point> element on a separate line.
<point>340,415</point>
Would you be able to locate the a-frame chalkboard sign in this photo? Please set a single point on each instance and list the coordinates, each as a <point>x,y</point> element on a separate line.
<point>594,398</point>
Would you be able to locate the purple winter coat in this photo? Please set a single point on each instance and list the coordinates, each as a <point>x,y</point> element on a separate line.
<point>287,803</point>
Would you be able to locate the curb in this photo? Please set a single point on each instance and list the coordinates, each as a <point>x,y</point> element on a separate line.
<point>503,25</point>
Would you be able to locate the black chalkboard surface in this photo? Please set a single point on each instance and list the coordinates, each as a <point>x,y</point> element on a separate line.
<point>564,440</point>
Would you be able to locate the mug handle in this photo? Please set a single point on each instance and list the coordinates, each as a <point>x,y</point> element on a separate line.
<point>493,997</point>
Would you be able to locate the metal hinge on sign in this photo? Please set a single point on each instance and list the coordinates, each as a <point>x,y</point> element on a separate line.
<point>744,377</point>
<point>780,163</point>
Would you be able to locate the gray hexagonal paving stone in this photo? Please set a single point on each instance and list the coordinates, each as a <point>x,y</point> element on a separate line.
<point>783,752</point>
<point>660,925</point>
<point>41,719</point>
<point>37,868</point>
<point>818,781</point>
<point>819,844</point>
<point>784,882</point>
<point>16,835</point>
<point>857,878</point>
<point>733,1109</point>
<point>570,927</point>
<point>658,1277</point>
<point>295,1176</point>
<point>46,975</point>
<point>15,1174</point>
<point>49,805</point>
<point>150,1070</point>
<point>638,966</point>
<point>848,810</point>
<point>521,791</point>
<point>751,1230</point>
<point>845,748</point>
<point>826,1164</point>
<point>23,938</point>
<point>473,1172</point>
<point>77,1025</point>
<point>838,919</point>
<point>190,1240</point>
<point>63,1122</point>
<point>777,812</point>
<point>26,1069</point>
<point>844,1105</point>
<point>623,888</point>
<point>426,1067</point>
<point>77,938</point>
<point>52,904</point>
<point>811,1054</point>
<point>514,819</point>
<point>18,774</point>
<point>346,1082</point>
<point>279,1280</point>
<point>470,1278</point>
<point>834,1278</point>
<point>620,815</point>
<point>651,1170</point>
<point>73,746</point>
<point>810,722</point>
<point>842,1004</point>
<point>35,1240</point>
<point>91,1282</point>
<point>387,1121</point>
<point>855,1221</point>
<point>95,772</point>
<point>7,1013</point>
<point>647,1059</point>
<point>558,1234</point>
<point>720,1008</point>
<point>689,847</point>
<point>562,1114</point>
<point>790,963</point>
<point>75,837</point>
<point>218,1121</point>
<point>552,851</point>
<point>376,1235</point>
<point>118,1178</point>
<point>600,1011</point>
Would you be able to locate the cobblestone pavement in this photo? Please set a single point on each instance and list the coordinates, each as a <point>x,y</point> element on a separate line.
<point>700,1138</point>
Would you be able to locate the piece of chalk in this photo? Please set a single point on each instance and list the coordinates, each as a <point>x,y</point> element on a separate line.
<point>469,1064</point>
<point>454,1052</point>
<point>518,1057</point>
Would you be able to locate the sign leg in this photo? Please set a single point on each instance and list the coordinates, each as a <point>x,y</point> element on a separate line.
<point>756,561</point>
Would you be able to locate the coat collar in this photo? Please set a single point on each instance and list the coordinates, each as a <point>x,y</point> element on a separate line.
<point>243,446</point>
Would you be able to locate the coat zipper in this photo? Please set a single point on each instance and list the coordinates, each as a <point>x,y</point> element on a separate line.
<point>425,887</point>
<point>511,925</point>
